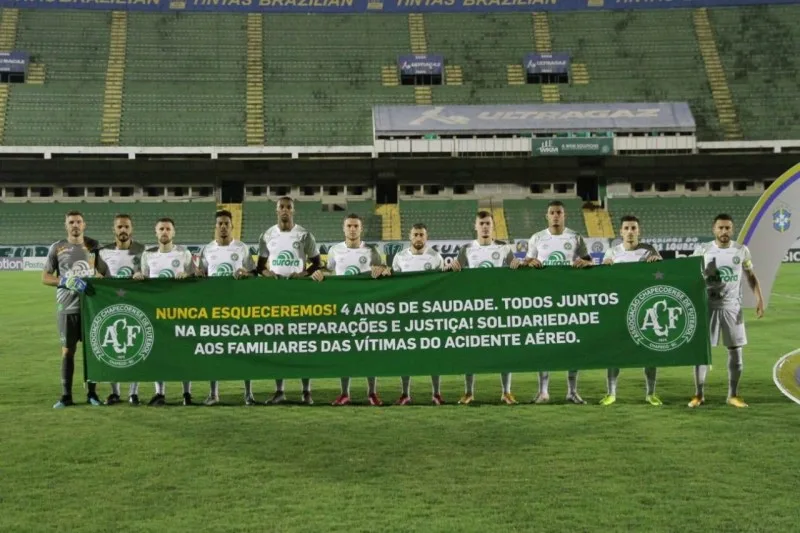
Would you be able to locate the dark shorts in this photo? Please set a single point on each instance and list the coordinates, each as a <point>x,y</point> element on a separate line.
<point>69,329</point>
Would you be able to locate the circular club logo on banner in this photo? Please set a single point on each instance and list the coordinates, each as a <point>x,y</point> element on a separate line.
<point>661,318</point>
<point>121,336</point>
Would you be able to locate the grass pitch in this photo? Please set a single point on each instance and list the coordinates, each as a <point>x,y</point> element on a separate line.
<point>628,467</point>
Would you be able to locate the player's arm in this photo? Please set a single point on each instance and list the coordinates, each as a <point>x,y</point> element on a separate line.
<point>584,259</point>
<point>378,267</point>
<point>50,274</point>
<point>461,260</point>
<point>329,269</point>
<point>202,264</point>
<point>511,260</point>
<point>189,271</point>
<point>752,280</point>
<point>248,268</point>
<point>652,254</point>
<point>262,268</point>
<point>608,257</point>
<point>142,271</point>
<point>100,266</point>
<point>396,264</point>
<point>531,259</point>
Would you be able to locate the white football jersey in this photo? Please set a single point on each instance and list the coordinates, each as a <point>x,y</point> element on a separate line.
<point>642,252</point>
<point>223,261</point>
<point>287,252</point>
<point>344,261</point>
<point>408,261</point>
<point>561,249</point>
<point>157,264</point>
<point>115,263</point>
<point>722,269</point>
<point>494,255</point>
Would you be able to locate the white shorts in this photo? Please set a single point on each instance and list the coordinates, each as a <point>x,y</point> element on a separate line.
<point>730,321</point>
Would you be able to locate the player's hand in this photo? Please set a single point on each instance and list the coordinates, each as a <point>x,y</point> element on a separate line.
<point>138,276</point>
<point>582,263</point>
<point>267,273</point>
<point>535,263</point>
<point>608,261</point>
<point>318,275</point>
<point>241,273</point>
<point>386,272</point>
<point>181,275</point>
<point>760,308</point>
<point>455,266</point>
<point>377,271</point>
<point>74,284</point>
<point>200,273</point>
<point>515,264</point>
<point>653,259</point>
<point>298,275</point>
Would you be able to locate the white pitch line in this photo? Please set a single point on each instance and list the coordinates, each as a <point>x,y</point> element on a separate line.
<point>790,296</point>
<point>775,375</point>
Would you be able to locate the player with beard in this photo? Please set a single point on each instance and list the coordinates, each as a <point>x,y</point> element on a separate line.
<point>120,260</point>
<point>68,262</point>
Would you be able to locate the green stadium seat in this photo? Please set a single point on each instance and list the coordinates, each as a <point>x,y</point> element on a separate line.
<point>526,217</point>
<point>445,219</point>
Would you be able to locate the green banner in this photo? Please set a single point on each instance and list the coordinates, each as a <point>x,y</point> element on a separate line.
<point>482,320</point>
<point>574,146</point>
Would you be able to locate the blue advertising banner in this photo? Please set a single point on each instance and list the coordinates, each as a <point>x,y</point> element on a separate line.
<point>376,6</point>
<point>14,61</point>
<point>547,63</point>
<point>421,64</point>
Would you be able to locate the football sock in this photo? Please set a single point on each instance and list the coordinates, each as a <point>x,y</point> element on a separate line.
<point>214,389</point>
<point>278,385</point>
<point>372,385</point>
<point>161,388</point>
<point>187,387</point>
<point>469,384</point>
<point>436,383</point>
<point>406,382</point>
<point>700,372</point>
<point>544,383</point>
<point>735,366</point>
<point>248,388</point>
<point>611,381</point>
<point>115,388</point>
<point>650,379</point>
<point>134,389</point>
<point>91,388</point>
<point>306,382</point>
<point>67,370</point>
<point>572,382</point>
<point>345,386</point>
<point>505,382</point>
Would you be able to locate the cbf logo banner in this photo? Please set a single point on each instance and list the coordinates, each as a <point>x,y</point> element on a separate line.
<point>479,320</point>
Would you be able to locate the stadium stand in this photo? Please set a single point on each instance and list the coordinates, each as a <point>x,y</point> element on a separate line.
<point>184,80</point>
<point>323,72</point>
<point>445,219</point>
<point>325,225</point>
<point>38,223</point>
<point>676,216</point>
<point>66,109</point>
<point>526,217</point>
<point>761,55</point>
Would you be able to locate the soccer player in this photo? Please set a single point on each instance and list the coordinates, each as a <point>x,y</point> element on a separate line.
<point>485,252</point>
<point>418,258</point>
<point>557,245</point>
<point>68,262</point>
<point>120,260</point>
<point>351,257</point>
<point>630,251</point>
<point>283,252</point>
<point>171,261</point>
<point>226,257</point>
<point>724,263</point>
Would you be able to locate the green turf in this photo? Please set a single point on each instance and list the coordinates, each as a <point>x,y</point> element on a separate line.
<point>628,467</point>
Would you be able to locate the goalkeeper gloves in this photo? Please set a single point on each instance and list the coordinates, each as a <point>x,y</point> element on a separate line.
<point>72,283</point>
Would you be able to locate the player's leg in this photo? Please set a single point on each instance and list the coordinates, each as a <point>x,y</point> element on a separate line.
<point>734,337</point>
<point>505,383</point>
<point>307,399</point>
<point>543,395</point>
<point>213,394</point>
<point>133,393</point>
<point>436,385</point>
<point>160,397</point>
<point>187,393</point>
<point>650,386</point>
<point>279,396</point>
<point>248,393</point>
<point>372,392</point>
<point>611,387</point>
<point>405,395</point>
<point>469,389</point>
<point>113,398</point>
<point>700,371</point>
<point>67,363</point>
<point>572,388</point>
<point>344,397</point>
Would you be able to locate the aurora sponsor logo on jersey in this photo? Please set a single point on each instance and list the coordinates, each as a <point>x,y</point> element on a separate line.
<point>81,269</point>
<point>121,336</point>
<point>485,264</point>
<point>286,259</point>
<point>724,274</point>
<point>352,270</point>
<point>124,272</point>
<point>556,259</point>
<point>223,270</point>
<point>166,273</point>
<point>661,318</point>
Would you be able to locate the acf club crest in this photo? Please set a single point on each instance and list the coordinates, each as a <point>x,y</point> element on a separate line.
<point>662,318</point>
<point>782,220</point>
<point>121,336</point>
